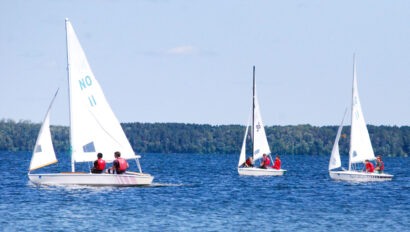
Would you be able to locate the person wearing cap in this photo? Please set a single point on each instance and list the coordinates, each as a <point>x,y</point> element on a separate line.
<point>265,162</point>
<point>369,166</point>
<point>379,165</point>
<point>99,164</point>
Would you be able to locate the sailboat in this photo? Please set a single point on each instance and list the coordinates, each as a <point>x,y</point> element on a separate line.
<point>260,144</point>
<point>93,129</point>
<point>360,145</point>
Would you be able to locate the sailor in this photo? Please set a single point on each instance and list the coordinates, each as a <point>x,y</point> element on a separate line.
<point>369,166</point>
<point>248,163</point>
<point>379,165</point>
<point>265,162</point>
<point>277,163</point>
<point>119,165</point>
<point>99,164</point>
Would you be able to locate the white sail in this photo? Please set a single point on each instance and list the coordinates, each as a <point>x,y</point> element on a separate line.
<point>360,145</point>
<point>242,156</point>
<point>94,127</point>
<point>260,142</point>
<point>335,156</point>
<point>43,153</point>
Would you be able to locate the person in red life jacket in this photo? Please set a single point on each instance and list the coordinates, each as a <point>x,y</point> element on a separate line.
<point>99,164</point>
<point>277,163</point>
<point>265,162</point>
<point>379,165</point>
<point>248,163</point>
<point>119,165</point>
<point>369,166</point>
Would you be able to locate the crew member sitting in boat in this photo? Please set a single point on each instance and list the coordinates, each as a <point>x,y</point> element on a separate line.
<point>119,165</point>
<point>265,162</point>
<point>379,165</point>
<point>369,166</point>
<point>248,163</point>
<point>277,163</point>
<point>99,164</point>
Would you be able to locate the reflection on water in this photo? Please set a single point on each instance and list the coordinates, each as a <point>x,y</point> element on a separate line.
<point>205,193</point>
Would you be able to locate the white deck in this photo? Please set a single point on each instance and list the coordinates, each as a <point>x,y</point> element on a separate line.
<point>356,176</point>
<point>121,180</point>
<point>260,172</point>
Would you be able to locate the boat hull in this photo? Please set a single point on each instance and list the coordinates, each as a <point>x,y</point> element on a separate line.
<point>355,176</point>
<point>261,172</point>
<point>122,180</point>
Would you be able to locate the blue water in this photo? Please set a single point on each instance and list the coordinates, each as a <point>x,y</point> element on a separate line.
<point>205,193</point>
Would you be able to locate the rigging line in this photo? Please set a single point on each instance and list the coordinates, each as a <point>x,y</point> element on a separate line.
<point>98,122</point>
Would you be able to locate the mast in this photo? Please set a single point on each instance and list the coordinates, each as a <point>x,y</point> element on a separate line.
<point>69,97</point>
<point>253,113</point>
<point>351,121</point>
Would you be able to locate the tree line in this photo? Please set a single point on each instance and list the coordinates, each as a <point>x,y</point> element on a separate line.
<point>220,139</point>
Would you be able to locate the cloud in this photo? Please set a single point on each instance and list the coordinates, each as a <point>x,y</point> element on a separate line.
<point>183,50</point>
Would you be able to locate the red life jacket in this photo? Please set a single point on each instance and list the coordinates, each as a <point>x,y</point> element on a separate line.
<point>277,164</point>
<point>369,167</point>
<point>122,164</point>
<point>100,164</point>
<point>266,161</point>
<point>382,167</point>
<point>248,162</point>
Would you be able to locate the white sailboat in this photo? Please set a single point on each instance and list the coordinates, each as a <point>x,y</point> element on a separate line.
<point>360,145</point>
<point>260,144</point>
<point>93,129</point>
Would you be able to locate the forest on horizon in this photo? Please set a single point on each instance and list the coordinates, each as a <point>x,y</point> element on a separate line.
<point>220,139</point>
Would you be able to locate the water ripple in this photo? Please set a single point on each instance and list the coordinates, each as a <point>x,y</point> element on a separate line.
<point>205,193</point>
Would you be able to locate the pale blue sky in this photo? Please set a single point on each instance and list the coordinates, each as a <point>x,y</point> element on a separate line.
<point>191,61</point>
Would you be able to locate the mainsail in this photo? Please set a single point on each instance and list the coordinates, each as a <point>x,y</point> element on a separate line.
<point>94,127</point>
<point>43,153</point>
<point>360,145</point>
<point>335,156</point>
<point>260,142</point>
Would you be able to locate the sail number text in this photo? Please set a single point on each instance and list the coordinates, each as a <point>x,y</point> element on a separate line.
<point>87,82</point>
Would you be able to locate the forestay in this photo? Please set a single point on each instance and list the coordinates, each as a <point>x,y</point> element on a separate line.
<point>260,142</point>
<point>335,156</point>
<point>43,153</point>
<point>94,127</point>
<point>360,145</point>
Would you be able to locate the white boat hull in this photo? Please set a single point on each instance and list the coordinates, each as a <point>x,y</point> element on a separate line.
<point>355,176</point>
<point>261,172</point>
<point>122,180</point>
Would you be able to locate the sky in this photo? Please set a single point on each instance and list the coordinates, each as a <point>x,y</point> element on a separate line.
<point>191,61</point>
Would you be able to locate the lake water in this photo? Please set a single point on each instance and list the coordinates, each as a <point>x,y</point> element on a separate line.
<point>205,193</point>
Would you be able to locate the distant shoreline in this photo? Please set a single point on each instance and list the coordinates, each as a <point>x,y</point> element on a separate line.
<point>217,139</point>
